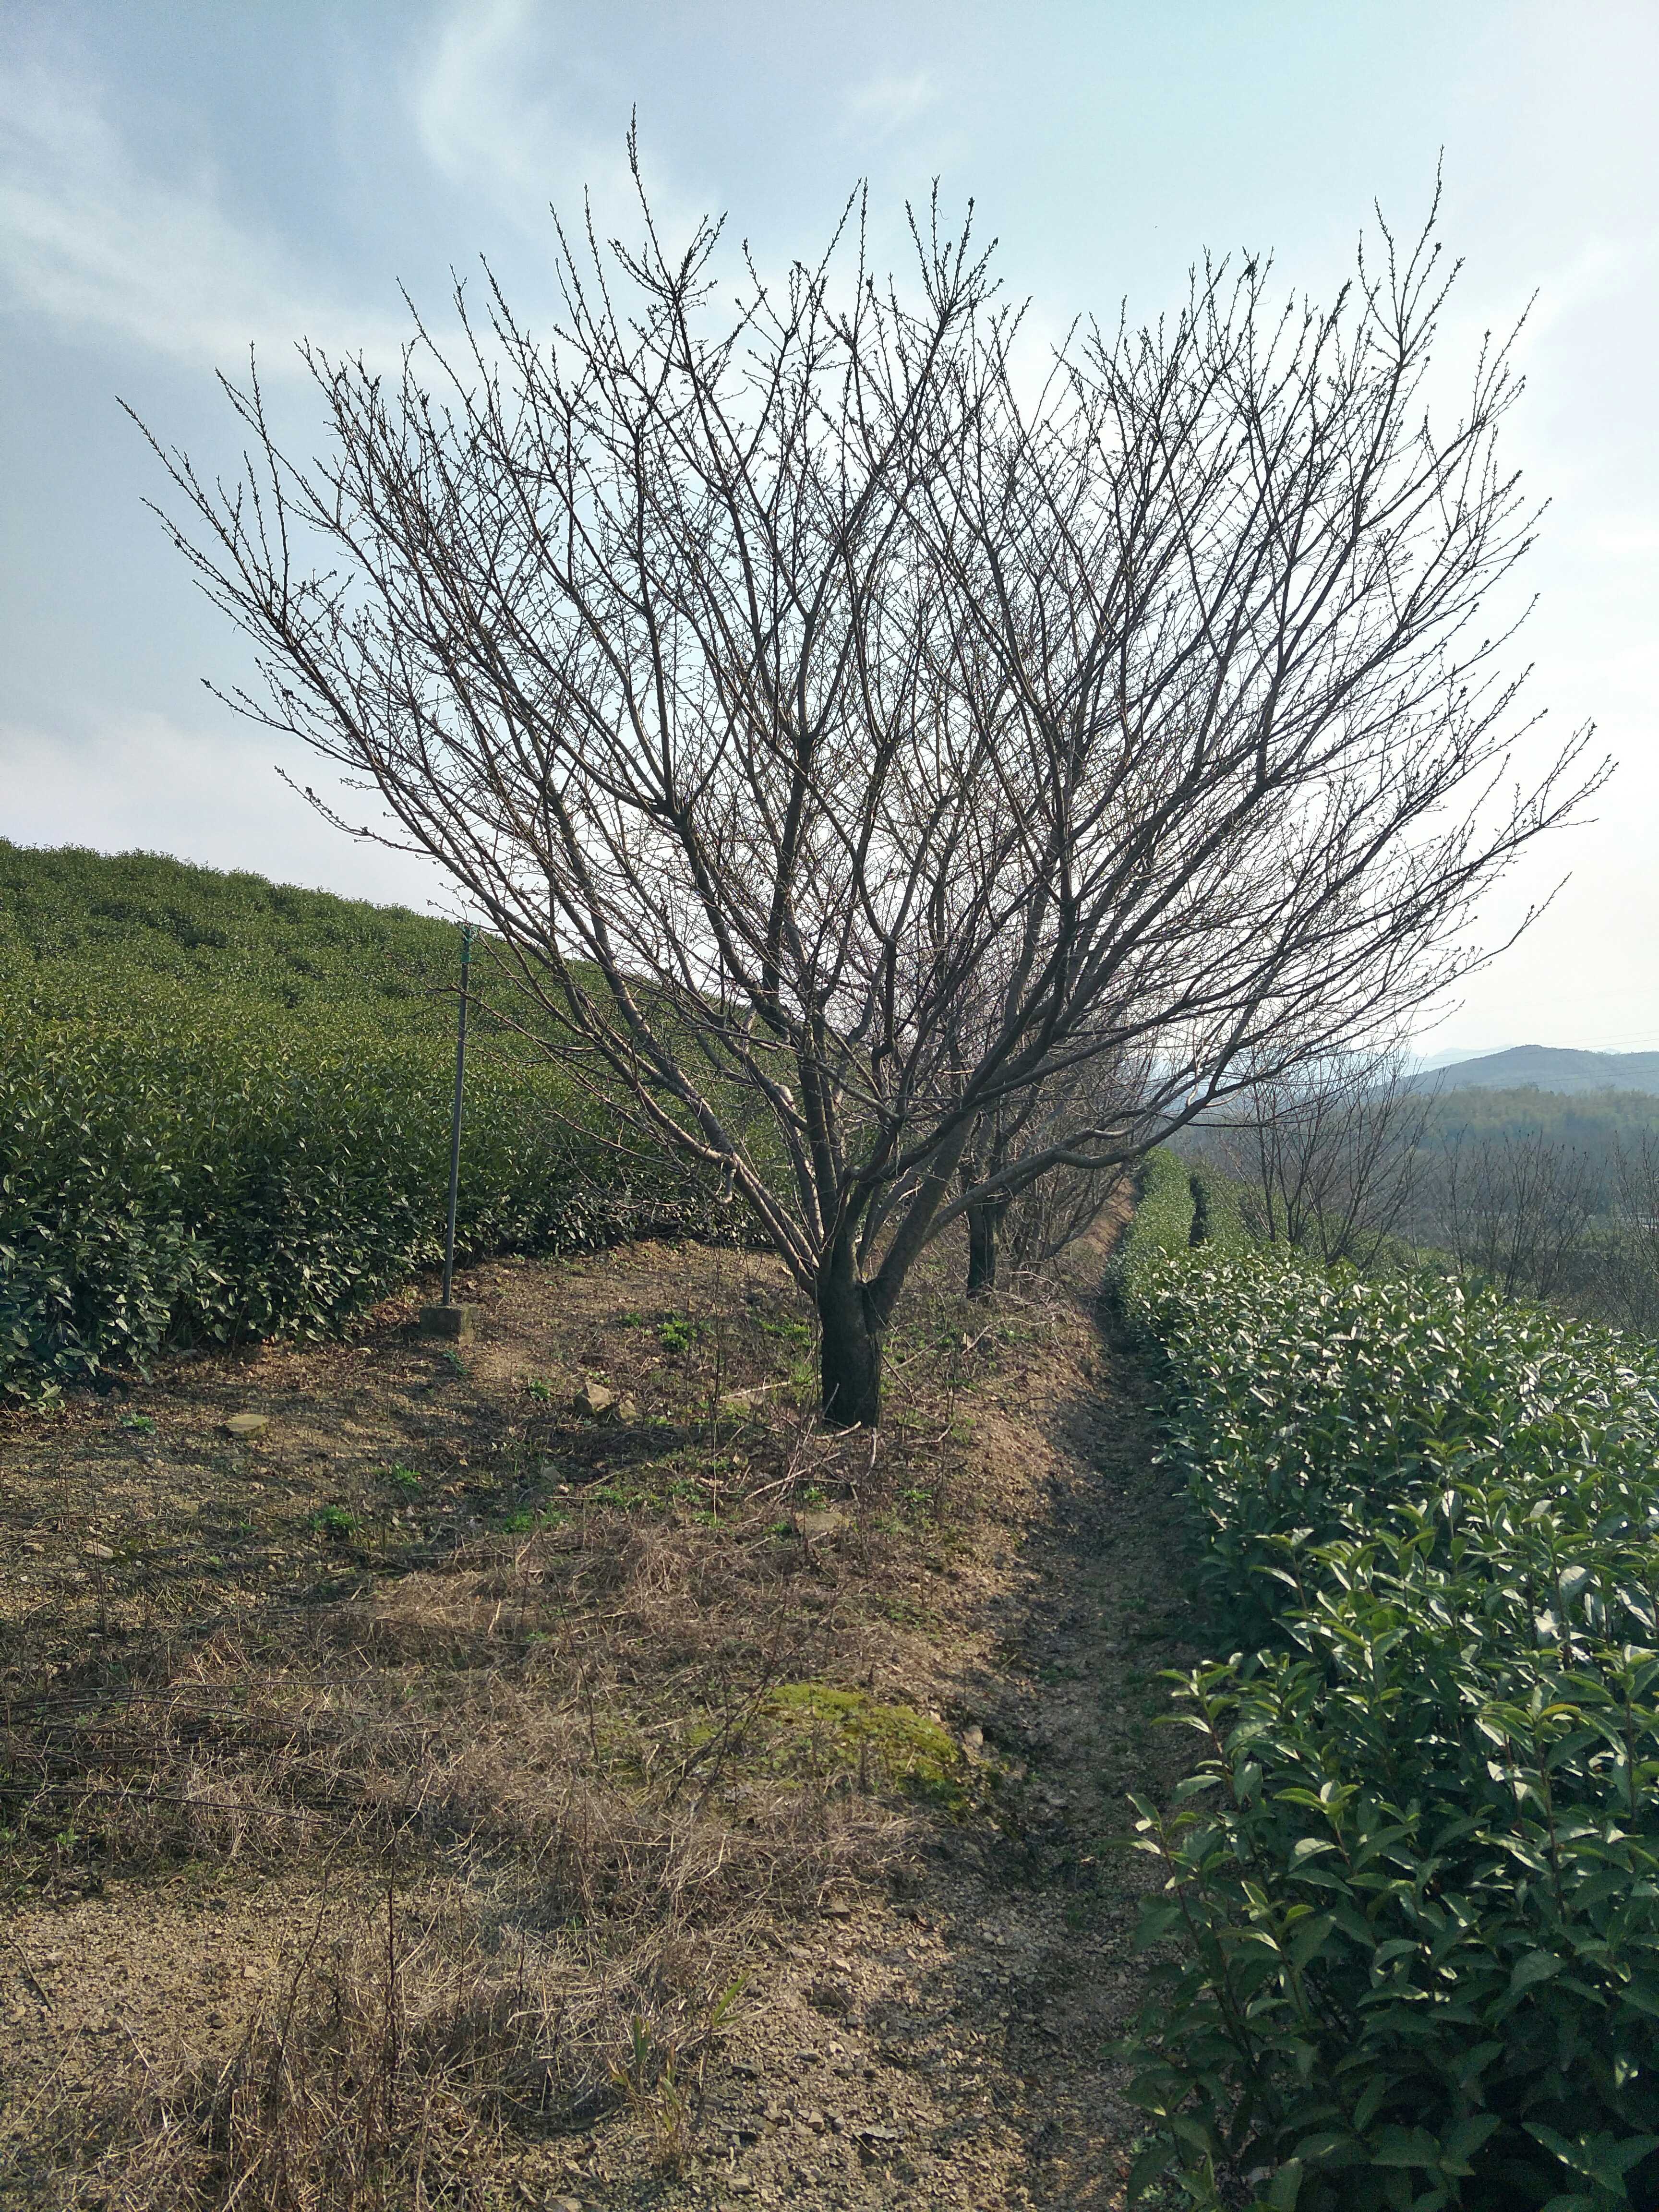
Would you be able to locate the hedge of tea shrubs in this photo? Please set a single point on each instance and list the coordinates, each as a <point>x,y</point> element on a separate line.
<point>224,1113</point>
<point>1410,1913</point>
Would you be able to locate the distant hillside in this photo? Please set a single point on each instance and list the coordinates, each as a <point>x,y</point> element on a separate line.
<point>136,922</point>
<point>1548,1067</point>
<point>1594,1125</point>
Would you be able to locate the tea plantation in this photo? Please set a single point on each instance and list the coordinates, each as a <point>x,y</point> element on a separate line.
<point>224,1113</point>
<point>1411,1900</point>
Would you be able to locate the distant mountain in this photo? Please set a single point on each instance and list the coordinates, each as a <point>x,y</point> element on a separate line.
<point>1549,1067</point>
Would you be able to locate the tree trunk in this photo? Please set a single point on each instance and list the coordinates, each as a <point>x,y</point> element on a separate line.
<point>849,1343</point>
<point>984,1231</point>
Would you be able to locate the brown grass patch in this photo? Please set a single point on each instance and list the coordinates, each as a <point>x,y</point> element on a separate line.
<point>411,2064</point>
<point>495,1685</point>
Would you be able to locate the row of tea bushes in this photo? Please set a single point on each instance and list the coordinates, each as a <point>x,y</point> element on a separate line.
<point>1178,1199</point>
<point>76,927</point>
<point>1410,1896</point>
<point>188,1171</point>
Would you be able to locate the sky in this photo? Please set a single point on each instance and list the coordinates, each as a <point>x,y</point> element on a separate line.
<point>178,183</point>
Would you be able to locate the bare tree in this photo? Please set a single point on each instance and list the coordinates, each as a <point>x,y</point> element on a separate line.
<point>1514,1207</point>
<point>1331,1158</point>
<point>1628,1256</point>
<point>1037,1218</point>
<point>847,740</point>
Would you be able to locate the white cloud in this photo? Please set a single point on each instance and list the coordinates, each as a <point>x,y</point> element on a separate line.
<point>502,109</point>
<point>86,238</point>
<point>887,104</point>
<point>140,782</point>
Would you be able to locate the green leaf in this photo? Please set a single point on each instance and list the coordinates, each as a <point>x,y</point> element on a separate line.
<point>1152,2164</point>
<point>1537,1967</point>
<point>1331,2146</point>
<point>1310,1938</point>
<point>1405,2147</point>
<point>1370,2100</point>
<point>1464,2139</point>
<point>1287,2186</point>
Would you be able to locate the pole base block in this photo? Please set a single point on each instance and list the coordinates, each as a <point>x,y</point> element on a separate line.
<point>455,1323</point>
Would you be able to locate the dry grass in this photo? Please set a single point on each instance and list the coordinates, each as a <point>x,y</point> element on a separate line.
<point>407,2065</point>
<point>519,1739</point>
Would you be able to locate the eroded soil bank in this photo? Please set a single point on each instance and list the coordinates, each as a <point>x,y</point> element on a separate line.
<point>443,1795</point>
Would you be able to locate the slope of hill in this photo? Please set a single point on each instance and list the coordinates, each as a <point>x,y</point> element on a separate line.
<point>1550,1067</point>
<point>141,918</point>
<point>225,1109</point>
<point>1593,1125</point>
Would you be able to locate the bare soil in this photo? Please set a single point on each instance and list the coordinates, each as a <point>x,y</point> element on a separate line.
<point>444,1796</point>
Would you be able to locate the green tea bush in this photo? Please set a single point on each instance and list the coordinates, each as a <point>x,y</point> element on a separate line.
<point>1166,1204</point>
<point>1412,1891</point>
<point>224,1113</point>
<point>85,925</point>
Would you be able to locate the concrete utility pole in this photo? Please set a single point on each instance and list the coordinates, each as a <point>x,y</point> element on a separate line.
<point>449,1319</point>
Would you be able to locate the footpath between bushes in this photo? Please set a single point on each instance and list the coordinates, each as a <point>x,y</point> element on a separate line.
<point>439,1796</point>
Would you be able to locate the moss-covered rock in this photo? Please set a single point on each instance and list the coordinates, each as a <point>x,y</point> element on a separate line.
<point>825,1732</point>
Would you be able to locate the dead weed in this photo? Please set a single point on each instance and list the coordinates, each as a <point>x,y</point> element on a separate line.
<point>559,1748</point>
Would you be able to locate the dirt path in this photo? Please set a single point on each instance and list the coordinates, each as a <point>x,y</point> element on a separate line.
<point>954,2049</point>
<point>641,1713</point>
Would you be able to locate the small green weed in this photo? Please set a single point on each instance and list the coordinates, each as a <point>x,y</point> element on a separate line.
<point>333,1520</point>
<point>527,1519</point>
<point>677,1333</point>
<point>624,1499</point>
<point>790,1332</point>
<point>903,1612</point>
<point>138,1425</point>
